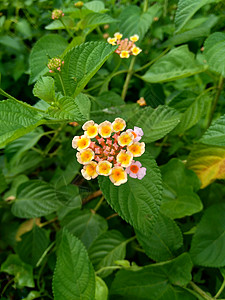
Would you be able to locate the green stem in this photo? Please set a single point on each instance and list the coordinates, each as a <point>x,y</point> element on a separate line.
<point>68,31</point>
<point>44,254</point>
<point>6,286</point>
<point>145,7</point>
<point>165,8</point>
<point>108,268</point>
<point>52,141</point>
<point>129,75</point>
<point>61,81</point>
<point>154,60</point>
<point>200,291</point>
<point>215,101</point>
<point>220,290</point>
<point>99,204</point>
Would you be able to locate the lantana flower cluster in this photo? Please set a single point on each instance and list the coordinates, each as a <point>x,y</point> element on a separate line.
<point>126,47</point>
<point>106,149</point>
<point>55,64</point>
<point>57,14</point>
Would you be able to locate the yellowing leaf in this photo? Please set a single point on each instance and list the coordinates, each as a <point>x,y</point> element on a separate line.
<point>26,226</point>
<point>208,163</point>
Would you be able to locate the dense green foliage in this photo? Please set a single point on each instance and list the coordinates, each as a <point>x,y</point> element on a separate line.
<point>66,238</point>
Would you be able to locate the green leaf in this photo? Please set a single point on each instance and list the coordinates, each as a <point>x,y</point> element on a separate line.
<point>3,184</point>
<point>33,295</point>
<point>214,52</point>
<point>96,6</point>
<point>163,242</point>
<point>101,289</point>
<point>134,21</point>
<point>35,198</point>
<point>27,118</point>
<point>14,186</point>
<point>86,225</point>
<point>207,162</point>
<point>74,277</point>
<point>191,32</point>
<point>15,149</point>
<point>157,281</point>
<point>106,249</point>
<point>70,109</point>
<point>179,194</point>
<point>45,89</point>
<point>155,123</point>
<point>106,99</point>
<point>95,19</point>
<point>193,113</point>
<point>186,9</point>
<point>178,63</point>
<point>136,201</point>
<point>23,272</point>
<point>81,63</point>
<point>32,246</point>
<point>209,239</point>
<point>57,24</point>
<point>49,46</point>
<point>215,135</point>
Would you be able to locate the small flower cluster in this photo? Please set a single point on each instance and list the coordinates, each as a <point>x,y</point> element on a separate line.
<point>55,64</point>
<point>79,4</point>
<point>57,14</point>
<point>126,47</point>
<point>112,151</point>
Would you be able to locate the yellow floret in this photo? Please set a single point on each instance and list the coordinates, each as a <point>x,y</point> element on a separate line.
<point>104,168</point>
<point>118,176</point>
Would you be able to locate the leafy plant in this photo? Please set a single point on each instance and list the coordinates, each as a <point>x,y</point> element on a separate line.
<point>134,93</point>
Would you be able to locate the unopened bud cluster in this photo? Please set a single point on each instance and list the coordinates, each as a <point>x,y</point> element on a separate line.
<point>126,47</point>
<point>57,14</point>
<point>55,64</point>
<point>106,149</point>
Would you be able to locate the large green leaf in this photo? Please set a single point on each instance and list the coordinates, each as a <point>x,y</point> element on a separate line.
<point>17,119</point>
<point>23,273</point>
<point>101,289</point>
<point>106,249</point>
<point>86,225</point>
<point>179,195</point>
<point>186,9</point>
<point>214,50</point>
<point>81,63</point>
<point>74,277</point>
<point>158,281</point>
<point>134,21</point>
<point>215,135</point>
<point>163,241</point>
<point>207,248</point>
<point>45,89</point>
<point>95,19</point>
<point>32,245</point>
<point>178,63</point>
<point>156,123</point>
<point>35,198</point>
<point>194,112</point>
<point>199,27</point>
<point>49,46</point>
<point>70,109</point>
<point>96,6</point>
<point>136,201</point>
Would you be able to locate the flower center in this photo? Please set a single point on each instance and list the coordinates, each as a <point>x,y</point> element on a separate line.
<point>134,169</point>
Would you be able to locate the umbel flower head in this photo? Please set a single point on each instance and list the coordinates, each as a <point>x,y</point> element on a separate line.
<point>55,64</point>
<point>106,149</point>
<point>57,14</point>
<point>126,47</point>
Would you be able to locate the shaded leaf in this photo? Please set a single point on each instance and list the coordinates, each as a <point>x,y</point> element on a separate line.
<point>178,63</point>
<point>163,241</point>
<point>101,289</point>
<point>215,134</point>
<point>106,249</point>
<point>209,239</point>
<point>44,89</point>
<point>179,194</point>
<point>86,225</point>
